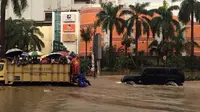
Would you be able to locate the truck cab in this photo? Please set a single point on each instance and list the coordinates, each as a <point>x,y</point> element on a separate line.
<point>2,71</point>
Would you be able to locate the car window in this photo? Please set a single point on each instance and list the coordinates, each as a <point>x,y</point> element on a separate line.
<point>172,71</point>
<point>160,71</point>
<point>149,71</point>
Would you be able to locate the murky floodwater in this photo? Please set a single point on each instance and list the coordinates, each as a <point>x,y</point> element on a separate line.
<point>105,95</point>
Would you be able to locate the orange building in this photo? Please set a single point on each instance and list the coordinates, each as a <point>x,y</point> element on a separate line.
<point>88,16</point>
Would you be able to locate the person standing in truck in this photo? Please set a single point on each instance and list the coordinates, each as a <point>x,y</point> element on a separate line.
<point>75,68</point>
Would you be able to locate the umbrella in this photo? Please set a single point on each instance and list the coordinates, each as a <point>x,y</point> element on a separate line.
<point>13,52</point>
<point>44,56</point>
<point>35,53</point>
<point>63,53</point>
<point>25,54</point>
<point>54,55</point>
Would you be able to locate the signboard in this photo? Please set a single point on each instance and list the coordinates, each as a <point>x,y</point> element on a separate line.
<point>68,37</point>
<point>69,17</point>
<point>164,58</point>
<point>68,27</point>
<point>58,46</point>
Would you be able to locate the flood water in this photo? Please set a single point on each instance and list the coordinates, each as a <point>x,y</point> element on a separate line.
<point>105,95</point>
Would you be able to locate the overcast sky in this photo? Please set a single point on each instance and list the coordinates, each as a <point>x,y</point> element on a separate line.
<point>152,1</point>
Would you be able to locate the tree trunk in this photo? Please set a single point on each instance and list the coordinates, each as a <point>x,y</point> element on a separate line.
<point>147,46</point>
<point>110,48</point>
<point>85,50</point>
<point>192,33</point>
<point>136,38</point>
<point>2,30</point>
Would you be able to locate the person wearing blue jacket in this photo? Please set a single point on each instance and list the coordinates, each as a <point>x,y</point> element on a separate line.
<point>82,81</point>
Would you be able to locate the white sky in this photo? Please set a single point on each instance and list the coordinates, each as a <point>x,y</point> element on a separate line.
<point>141,1</point>
<point>152,1</point>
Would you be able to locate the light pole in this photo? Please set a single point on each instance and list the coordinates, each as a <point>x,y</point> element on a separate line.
<point>0,49</point>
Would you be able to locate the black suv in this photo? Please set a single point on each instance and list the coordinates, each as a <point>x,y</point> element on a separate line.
<point>156,75</point>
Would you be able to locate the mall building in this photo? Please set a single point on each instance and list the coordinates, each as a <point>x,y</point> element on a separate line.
<point>62,20</point>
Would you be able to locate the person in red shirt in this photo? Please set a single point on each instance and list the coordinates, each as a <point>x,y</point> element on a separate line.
<point>75,66</point>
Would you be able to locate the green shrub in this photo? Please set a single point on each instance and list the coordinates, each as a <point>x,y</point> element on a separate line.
<point>184,62</point>
<point>85,64</point>
<point>122,62</point>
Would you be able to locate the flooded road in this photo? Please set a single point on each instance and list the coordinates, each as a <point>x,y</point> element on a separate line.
<point>105,95</point>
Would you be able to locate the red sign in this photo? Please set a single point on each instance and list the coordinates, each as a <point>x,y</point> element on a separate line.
<point>164,57</point>
<point>68,27</point>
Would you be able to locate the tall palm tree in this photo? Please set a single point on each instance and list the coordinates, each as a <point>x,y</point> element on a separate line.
<point>138,17</point>
<point>108,19</point>
<point>18,7</point>
<point>86,35</point>
<point>26,35</point>
<point>164,22</point>
<point>188,11</point>
<point>147,28</point>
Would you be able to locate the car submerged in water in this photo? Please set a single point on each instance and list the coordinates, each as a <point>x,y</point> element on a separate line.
<point>156,75</point>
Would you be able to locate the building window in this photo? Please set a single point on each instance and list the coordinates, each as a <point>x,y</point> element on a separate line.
<point>48,16</point>
<point>82,1</point>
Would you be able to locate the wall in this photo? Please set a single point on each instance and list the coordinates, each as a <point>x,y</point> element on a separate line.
<point>47,39</point>
<point>35,10</point>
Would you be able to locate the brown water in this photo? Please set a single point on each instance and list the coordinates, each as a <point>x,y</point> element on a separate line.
<point>105,95</point>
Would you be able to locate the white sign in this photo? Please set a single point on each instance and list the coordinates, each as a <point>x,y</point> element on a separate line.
<point>69,17</point>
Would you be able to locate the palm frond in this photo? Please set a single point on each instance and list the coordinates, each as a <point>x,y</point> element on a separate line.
<point>16,7</point>
<point>172,8</point>
<point>132,7</point>
<point>124,12</point>
<point>144,5</point>
<point>153,44</point>
<point>185,11</point>
<point>4,3</point>
<point>196,45</point>
<point>176,24</point>
<point>197,11</point>
<point>24,4</point>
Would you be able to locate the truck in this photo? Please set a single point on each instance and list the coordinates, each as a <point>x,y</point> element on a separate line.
<point>38,73</point>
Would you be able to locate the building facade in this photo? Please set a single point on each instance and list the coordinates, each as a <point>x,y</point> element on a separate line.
<point>54,13</point>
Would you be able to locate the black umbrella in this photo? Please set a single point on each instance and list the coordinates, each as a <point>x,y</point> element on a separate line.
<point>54,55</point>
<point>13,52</point>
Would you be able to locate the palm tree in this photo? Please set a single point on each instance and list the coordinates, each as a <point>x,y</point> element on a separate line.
<point>86,35</point>
<point>18,7</point>
<point>139,16</point>
<point>108,19</point>
<point>147,28</point>
<point>127,41</point>
<point>164,22</point>
<point>180,43</point>
<point>188,11</point>
<point>26,35</point>
<point>12,31</point>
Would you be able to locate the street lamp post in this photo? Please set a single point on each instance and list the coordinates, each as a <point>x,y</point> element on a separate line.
<point>0,51</point>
